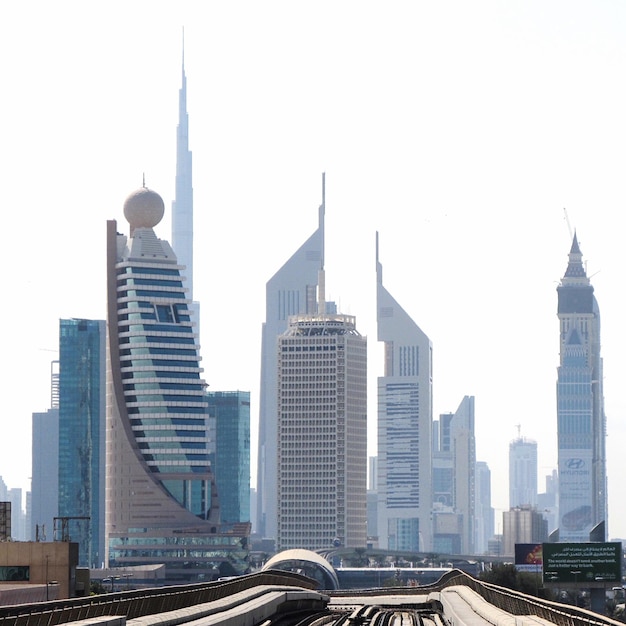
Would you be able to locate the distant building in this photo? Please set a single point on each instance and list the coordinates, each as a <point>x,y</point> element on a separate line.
<point>404,427</point>
<point>548,501</point>
<point>522,525</point>
<point>522,472</point>
<point>18,519</point>
<point>372,501</point>
<point>454,476</point>
<point>161,503</point>
<point>231,411</point>
<point>45,474</point>
<point>581,421</point>
<point>81,437</point>
<point>290,291</point>
<point>484,525</point>
<point>322,432</point>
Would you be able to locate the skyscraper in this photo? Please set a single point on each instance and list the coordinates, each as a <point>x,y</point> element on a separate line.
<point>231,412</point>
<point>454,475</point>
<point>161,501</point>
<point>82,367</point>
<point>182,207</point>
<point>322,432</point>
<point>581,421</point>
<point>484,527</point>
<point>404,427</point>
<point>291,291</point>
<point>45,465</point>
<point>522,472</point>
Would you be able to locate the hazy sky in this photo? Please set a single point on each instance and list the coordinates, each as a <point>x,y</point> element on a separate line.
<point>458,130</point>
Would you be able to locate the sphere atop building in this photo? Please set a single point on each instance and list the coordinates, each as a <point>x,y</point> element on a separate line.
<point>144,208</point>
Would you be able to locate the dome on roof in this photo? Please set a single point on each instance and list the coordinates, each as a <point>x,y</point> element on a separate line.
<point>144,208</point>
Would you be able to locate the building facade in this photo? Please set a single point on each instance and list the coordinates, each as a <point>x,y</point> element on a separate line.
<point>291,291</point>
<point>322,433</point>
<point>231,412</point>
<point>522,525</point>
<point>404,428</point>
<point>454,478</point>
<point>484,525</point>
<point>581,421</point>
<point>81,451</point>
<point>45,466</point>
<point>161,499</point>
<point>522,472</point>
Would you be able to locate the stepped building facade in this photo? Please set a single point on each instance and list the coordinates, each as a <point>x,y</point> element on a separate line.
<point>581,421</point>
<point>161,500</point>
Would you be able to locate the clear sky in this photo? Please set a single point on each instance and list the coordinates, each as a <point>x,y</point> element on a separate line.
<point>458,130</point>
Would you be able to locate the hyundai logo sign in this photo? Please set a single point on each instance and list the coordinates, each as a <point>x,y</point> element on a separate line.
<point>574,464</point>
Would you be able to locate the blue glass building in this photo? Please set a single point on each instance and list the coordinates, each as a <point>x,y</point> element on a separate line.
<point>231,412</point>
<point>581,421</point>
<point>82,437</point>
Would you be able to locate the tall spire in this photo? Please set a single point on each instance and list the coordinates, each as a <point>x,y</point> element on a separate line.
<point>182,207</point>
<point>575,268</point>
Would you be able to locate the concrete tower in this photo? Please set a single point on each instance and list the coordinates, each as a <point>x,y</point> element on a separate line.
<point>404,428</point>
<point>581,422</point>
<point>291,291</point>
<point>322,432</point>
<point>522,472</point>
<point>161,502</point>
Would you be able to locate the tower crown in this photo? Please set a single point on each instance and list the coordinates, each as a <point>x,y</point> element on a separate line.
<point>143,208</point>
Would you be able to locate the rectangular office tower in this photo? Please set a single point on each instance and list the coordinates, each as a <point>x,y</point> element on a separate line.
<point>82,367</point>
<point>404,428</point>
<point>322,433</point>
<point>230,411</point>
<point>581,422</point>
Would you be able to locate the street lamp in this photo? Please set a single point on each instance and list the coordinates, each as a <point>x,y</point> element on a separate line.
<point>48,583</point>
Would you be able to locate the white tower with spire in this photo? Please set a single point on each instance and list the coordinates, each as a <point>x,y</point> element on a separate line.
<point>182,206</point>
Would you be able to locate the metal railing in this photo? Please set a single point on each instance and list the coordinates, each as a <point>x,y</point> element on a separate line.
<point>142,602</point>
<point>513,602</point>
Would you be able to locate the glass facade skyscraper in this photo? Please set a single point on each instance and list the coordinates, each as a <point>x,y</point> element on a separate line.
<point>161,500</point>
<point>230,410</point>
<point>581,421</point>
<point>82,436</point>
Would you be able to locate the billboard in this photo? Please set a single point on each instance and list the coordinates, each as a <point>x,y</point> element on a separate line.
<point>528,557</point>
<point>593,564</point>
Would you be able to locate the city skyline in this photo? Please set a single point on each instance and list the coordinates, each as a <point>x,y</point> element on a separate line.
<point>460,137</point>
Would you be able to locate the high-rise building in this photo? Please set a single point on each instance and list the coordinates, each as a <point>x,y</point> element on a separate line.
<point>82,368</point>
<point>484,526</point>
<point>231,412</point>
<point>161,500</point>
<point>581,421</point>
<point>291,291</point>
<point>45,465</point>
<point>522,525</point>
<point>322,432</point>
<point>522,472</point>
<point>18,521</point>
<point>404,428</point>
<point>454,472</point>
<point>182,206</point>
